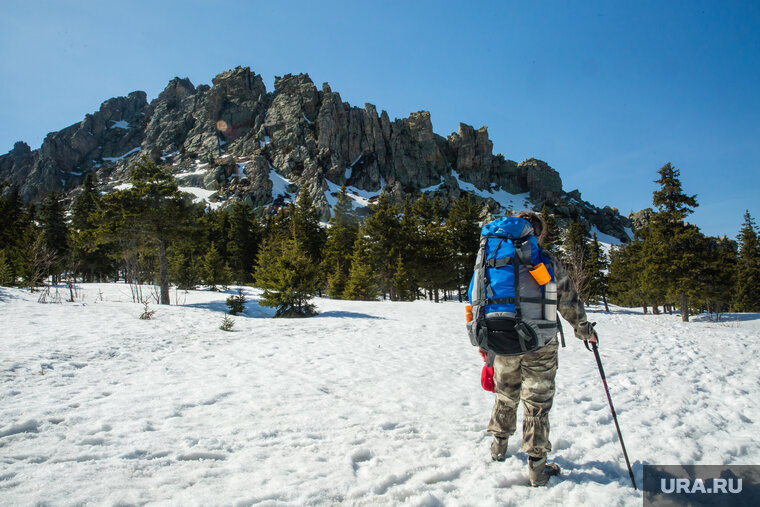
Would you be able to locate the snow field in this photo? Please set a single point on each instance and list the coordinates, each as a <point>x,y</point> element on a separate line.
<point>369,403</point>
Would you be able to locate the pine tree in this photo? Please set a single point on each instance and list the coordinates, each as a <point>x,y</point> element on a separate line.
<point>597,272</point>
<point>15,224</point>
<point>718,275</point>
<point>382,229</point>
<point>88,257</point>
<point>341,236</point>
<point>624,274</point>
<point>362,282</point>
<point>404,287</point>
<point>672,246</point>
<point>288,276</point>
<point>463,239</point>
<point>86,204</point>
<point>551,238</point>
<point>144,219</point>
<point>307,228</point>
<point>243,240</point>
<point>747,297</point>
<point>435,270</point>
<point>6,278</point>
<point>55,232</point>
<point>576,257</point>
<point>215,270</point>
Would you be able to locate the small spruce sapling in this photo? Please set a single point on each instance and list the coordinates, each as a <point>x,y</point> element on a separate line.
<point>236,303</point>
<point>227,323</point>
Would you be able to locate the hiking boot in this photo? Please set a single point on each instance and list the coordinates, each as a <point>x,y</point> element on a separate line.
<point>499,448</point>
<point>539,471</point>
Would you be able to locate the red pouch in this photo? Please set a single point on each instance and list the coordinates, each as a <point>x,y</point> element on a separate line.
<point>486,378</point>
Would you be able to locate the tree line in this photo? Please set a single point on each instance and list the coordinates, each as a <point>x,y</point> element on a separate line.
<point>151,233</point>
<point>672,264</point>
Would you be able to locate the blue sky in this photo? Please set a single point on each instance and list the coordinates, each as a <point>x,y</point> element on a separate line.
<point>605,92</point>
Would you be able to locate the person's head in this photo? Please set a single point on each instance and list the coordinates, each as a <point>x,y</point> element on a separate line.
<point>538,224</point>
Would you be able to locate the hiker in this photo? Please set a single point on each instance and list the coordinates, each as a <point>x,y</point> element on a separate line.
<point>515,327</point>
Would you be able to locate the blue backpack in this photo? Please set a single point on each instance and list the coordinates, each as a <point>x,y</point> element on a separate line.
<point>513,292</point>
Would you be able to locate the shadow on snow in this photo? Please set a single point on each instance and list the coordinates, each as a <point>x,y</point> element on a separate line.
<point>348,315</point>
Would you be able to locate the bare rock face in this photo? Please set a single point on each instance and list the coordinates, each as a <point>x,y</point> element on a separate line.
<point>542,181</point>
<point>66,155</point>
<point>234,137</point>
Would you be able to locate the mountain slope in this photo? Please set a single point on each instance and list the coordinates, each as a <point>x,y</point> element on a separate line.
<point>244,142</point>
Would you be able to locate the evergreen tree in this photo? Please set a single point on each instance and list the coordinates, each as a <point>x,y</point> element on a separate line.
<point>404,287</point>
<point>5,270</point>
<point>243,240</point>
<point>625,274</point>
<point>382,229</point>
<point>341,236</point>
<point>183,269</point>
<point>597,272</point>
<point>408,250</point>
<point>149,215</point>
<point>288,276</point>
<point>15,225</point>
<point>576,257</point>
<point>85,205</point>
<point>55,232</point>
<point>747,297</point>
<point>673,247</point>
<point>362,283</point>
<point>88,257</point>
<point>307,228</point>
<point>718,275</point>
<point>434,267</point>
<point>551,238</point>
<point>463,238</point>
<point>215,270</point>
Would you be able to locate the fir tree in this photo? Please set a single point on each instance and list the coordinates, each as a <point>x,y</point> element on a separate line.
<point>5,270</point>
<point>551,238</point>
<point>673,247</point>
<point>463,238</point>
<point>15,225</point>
<point>382,229</point>
<point>88,257</point>
<point>718,275</point>
<point>362,283</point>
<point>404,287</point>
<point>215,271</point>
<point>55,231</point>
<point>597,272</point>
<point>624,274</point>
<point>86,204</point>
<point>288,276</point>
<point>747,297</point>
<point>434,266</point>
<point>149,215</point>
<point>341,236</point>
<point>576,256</point>
<point>307,228</point>
<point>243,240</point>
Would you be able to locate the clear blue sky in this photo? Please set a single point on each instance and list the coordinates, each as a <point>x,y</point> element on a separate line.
<point>605,92</point>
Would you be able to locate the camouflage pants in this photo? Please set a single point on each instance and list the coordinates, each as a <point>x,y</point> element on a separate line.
<point>530,377</point>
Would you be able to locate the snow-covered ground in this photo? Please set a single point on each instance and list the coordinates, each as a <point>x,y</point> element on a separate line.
<point>369,403</point>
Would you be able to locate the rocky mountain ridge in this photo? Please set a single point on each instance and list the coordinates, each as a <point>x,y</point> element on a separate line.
<point>236,140</point>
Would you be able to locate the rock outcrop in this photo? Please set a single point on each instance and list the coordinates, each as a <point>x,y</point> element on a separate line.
<point>244,142</point>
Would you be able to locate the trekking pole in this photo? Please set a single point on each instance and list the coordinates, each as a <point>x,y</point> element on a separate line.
<point>614,416</point>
